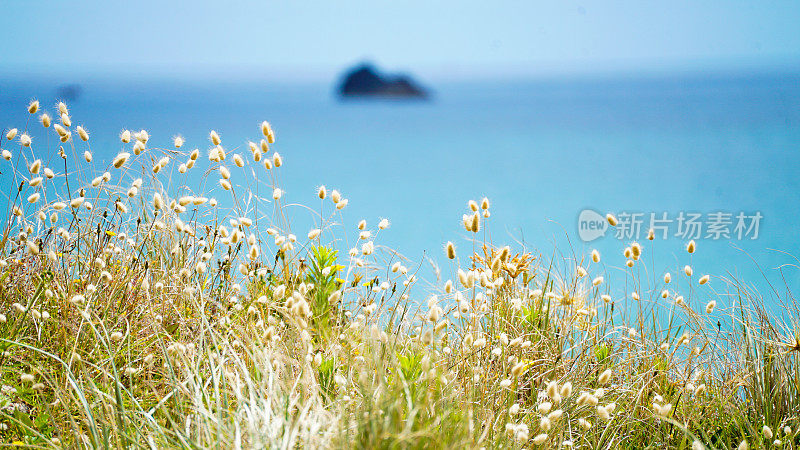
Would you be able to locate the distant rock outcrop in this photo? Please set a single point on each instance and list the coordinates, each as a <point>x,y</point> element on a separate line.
<point>69,92</point>
<point>366,81</point>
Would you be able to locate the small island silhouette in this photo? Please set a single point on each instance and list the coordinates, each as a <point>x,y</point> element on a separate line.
<point>365,81</point>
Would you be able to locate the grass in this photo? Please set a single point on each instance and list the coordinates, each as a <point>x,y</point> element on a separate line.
<point>139,313</point>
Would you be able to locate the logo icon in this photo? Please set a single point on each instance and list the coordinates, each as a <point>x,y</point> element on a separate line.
<point>591,225</point>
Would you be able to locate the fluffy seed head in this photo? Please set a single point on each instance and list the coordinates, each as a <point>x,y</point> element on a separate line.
<point>604,377</point>
<point>158,201</point>
<point>33,107</point>
<point>82,133</point>
<point>125,136</point>
<point>121,159</point>
<point>214,138</point>
<point>612,220</point>
<point>687,270</point>
<point>450,250</point>
<point>12,133</point>
<point>691,246</point>
<point>704,279</point>
<point>45,119</point>
<point>237,159</point>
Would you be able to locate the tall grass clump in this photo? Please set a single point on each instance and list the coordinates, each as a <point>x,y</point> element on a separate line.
<point>165,297</point>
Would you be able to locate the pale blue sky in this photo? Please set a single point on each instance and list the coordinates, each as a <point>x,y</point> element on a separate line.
<point>459,38</point>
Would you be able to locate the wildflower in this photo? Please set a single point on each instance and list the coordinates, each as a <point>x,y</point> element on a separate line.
<point>704,279</point>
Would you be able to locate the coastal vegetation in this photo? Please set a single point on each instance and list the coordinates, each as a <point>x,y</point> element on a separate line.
<point>156,300</point>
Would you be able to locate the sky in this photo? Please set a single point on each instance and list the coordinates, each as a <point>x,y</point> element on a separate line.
<point>447,38</point>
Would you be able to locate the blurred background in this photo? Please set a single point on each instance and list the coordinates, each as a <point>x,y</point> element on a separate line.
<point>546,108</point>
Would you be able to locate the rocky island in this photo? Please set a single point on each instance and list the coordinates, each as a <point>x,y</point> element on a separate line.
<point>365,81</point>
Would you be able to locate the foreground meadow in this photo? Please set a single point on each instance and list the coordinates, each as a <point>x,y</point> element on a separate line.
<point>138,310</point>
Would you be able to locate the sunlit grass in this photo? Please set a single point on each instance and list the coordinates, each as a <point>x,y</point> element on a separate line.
<point>144,306</point>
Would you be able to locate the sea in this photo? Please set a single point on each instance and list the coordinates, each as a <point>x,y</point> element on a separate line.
<point>713,157</point>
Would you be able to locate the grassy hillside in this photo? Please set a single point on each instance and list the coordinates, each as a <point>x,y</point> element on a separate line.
<point>138,310</point>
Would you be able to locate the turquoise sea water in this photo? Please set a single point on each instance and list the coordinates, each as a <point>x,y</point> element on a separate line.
<point>541,150</point>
